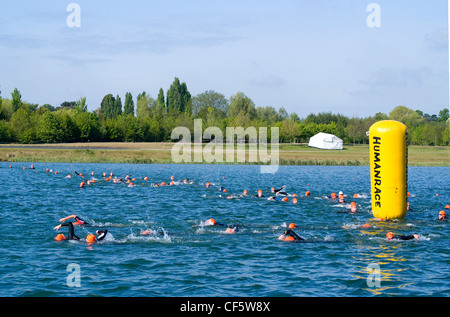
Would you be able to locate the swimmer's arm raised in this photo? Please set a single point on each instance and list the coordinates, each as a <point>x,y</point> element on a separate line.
<point>68,217</point>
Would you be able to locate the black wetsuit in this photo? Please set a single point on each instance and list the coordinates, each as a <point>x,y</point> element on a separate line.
<point>280,191</point>
<point>291,233</point>
<point>72,235</point>
<point>409,237</point>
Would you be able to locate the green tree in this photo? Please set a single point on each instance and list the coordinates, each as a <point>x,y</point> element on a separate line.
<point>241,105</point>
<point>16,100</point>
<point>68,129</point>
<point>88,125</point>
<point>160,102</point>
<point>5,131</point>
<point>443,115</point>
<point>110,106</point>
<point>209,99</point>
<point>144,102</point>
<point>405,115</point>
<point>67,105</point>
<point>267,114</point>
<point>178,97</point>
<point>48,129</point>
<point>81,105</point>
<point>290,130</point>
<point>48,107</point>
<point>22,127</point>
<point>129,104</point>
<point>117,107</point>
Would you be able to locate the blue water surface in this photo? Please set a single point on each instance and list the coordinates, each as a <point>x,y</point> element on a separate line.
<point>183,257</point>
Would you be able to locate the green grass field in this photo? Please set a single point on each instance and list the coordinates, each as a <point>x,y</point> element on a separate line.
<point>289,154</point>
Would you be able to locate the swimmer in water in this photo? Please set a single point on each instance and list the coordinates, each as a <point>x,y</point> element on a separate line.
<point>341,197</point>
<point>279,191</point>
<point>260,194</point>
<point>442,215</point>
<point>101,234</point>
<point>390,236</point>
<point>78,221</point>
<point>290,235</point>
<point>233,228</point>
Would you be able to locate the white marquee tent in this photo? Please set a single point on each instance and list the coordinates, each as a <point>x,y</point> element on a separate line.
<point>326,141</point>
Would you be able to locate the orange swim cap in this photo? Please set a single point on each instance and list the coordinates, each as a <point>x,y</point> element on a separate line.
<point>308,193</point>
<point>60,237</point>
<point>365,226</point>
<point>229,230</point>
<point>292,226</point>
<point>145,178</point>
<point>90,238</point>
<point>81,184</point>
<point>163,184</point>
<point>212,221</point>
<point>389,235</point>
<point>447,206</point>
<point>245,192</point>
<point>289,238</point>
<point>294,200</point>
<point>442,213</point>
<point>285,199</point>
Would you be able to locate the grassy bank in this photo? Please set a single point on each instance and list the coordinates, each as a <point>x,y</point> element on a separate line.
<point>161,153</point>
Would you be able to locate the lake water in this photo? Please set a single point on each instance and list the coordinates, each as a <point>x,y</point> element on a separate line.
<point>184,258</point>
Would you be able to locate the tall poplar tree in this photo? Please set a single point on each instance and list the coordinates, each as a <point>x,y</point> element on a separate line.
<point>178,96</point>
<point>129,104</point>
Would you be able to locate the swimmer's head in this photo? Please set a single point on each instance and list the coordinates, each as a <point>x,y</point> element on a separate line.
<point>259,193</point>
<point>272,190</point>
<point>210,222</point>
<point>294,200</point>
<point>60,237</point>
<point>292,226</point>
<point>289,238</point>
<point>307,193</point>
<point>442,214</point>
<point>244,192</point>
<point>90,238</point>
<point>447,206</point>
<point>285,199</point>
<point>389,235</point>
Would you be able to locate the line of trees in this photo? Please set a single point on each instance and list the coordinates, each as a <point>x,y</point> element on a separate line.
<point>152,120</point>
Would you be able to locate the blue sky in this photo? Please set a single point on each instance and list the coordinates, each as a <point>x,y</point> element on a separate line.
<point>308,56</point>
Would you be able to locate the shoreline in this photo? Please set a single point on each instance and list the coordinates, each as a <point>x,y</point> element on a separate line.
<point>160,153</point>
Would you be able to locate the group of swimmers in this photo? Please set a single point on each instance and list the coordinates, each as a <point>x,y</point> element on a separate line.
<point>90,238</point>
<point>279,194</point>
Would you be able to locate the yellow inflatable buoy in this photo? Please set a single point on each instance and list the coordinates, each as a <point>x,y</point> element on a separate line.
<point>388,169</point>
